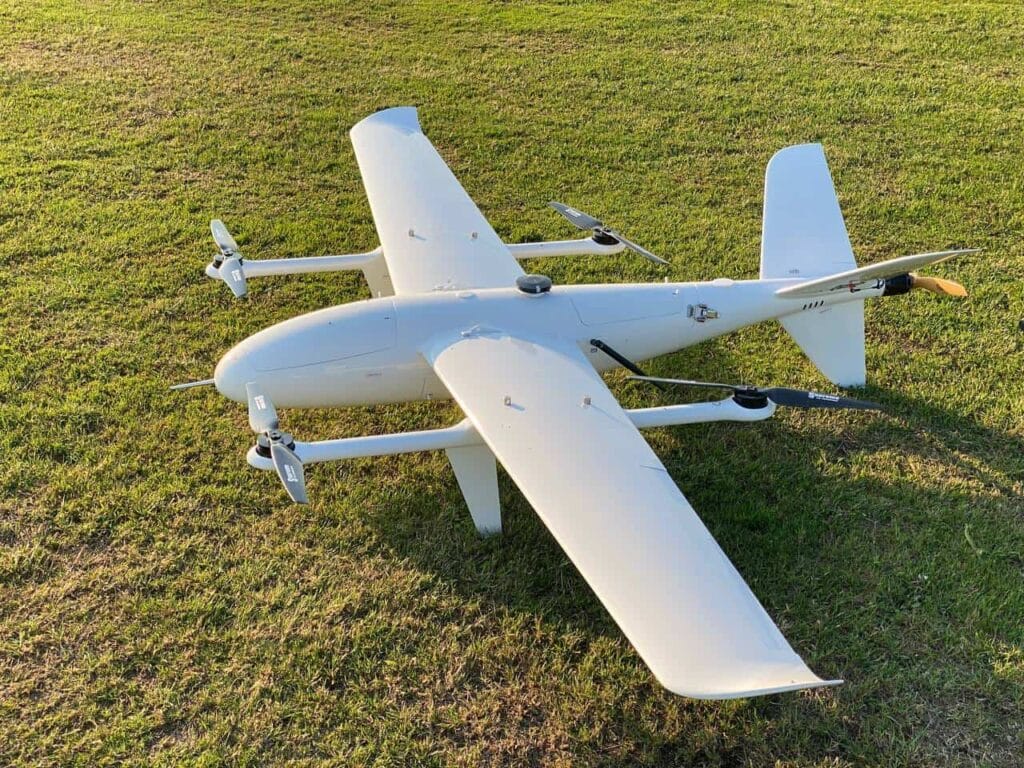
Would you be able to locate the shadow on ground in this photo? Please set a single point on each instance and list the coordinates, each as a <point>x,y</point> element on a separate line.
<point>832,552</point>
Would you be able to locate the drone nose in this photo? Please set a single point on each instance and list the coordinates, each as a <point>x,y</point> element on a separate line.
<point>232,373</point>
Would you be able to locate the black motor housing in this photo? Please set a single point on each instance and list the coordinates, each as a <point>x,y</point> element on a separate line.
<point>894,286</point>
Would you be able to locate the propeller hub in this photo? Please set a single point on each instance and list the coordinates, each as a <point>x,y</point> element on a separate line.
<point>263,441</point>
<point>894,286</point>
<point>600,233</point>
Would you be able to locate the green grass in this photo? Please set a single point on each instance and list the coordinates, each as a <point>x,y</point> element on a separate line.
<point>160,603</point>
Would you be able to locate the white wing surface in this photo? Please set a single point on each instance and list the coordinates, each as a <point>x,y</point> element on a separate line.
<point>433,235</point>
<point>610,504</point>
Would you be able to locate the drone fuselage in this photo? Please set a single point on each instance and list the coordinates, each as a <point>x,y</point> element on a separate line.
<point>370,352</point>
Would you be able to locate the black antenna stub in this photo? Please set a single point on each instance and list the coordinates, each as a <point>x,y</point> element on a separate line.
<point>535,285</point>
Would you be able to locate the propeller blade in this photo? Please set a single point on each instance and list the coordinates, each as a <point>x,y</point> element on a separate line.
<point>223,238</point>
<point>685,383</point>
<point>231,272</point>
<point>577,218</point>
<point>800,398</point>
<point>637,248</point>
<point>938,285</point>
<point>587,222</point>
<point>289,469</point>
<point>793,398</point>
<point>262,414</point>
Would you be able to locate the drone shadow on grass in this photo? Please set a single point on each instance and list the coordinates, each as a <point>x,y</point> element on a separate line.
<point>738,477</point>
<point>785,513</point>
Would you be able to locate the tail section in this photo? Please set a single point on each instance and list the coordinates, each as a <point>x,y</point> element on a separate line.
<point>803,233</point>
<point>834,341</point>
<point>881,276</point>
<point>804,236</point>
<point>804,239</point>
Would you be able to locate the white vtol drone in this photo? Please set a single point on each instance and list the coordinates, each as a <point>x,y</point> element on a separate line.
<point>453,315</point>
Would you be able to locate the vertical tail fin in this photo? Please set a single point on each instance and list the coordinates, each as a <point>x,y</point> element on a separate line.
<point>804,237</point>
<point>833,339</point>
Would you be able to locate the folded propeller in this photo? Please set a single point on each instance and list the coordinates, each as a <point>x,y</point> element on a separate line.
<point>601,233</point>
<point>228,263</point>
<point>913,281</point>
<point>756,397</point>
<point>264,422</point>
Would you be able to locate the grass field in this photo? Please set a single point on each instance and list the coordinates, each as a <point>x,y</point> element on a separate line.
<point>162,604</point>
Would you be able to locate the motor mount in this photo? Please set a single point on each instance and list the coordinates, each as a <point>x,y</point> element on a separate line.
<point>750,398</point>
<point>263,444</point>
<point>894,286</point>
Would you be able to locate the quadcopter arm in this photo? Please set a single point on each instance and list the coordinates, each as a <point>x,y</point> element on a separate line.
<point>304,264</point>
<point>464,434</point>
<point>371,264</point>
<point>374,267</point>
<point>301,264</point>
<point>697,413</point>
<point>460,435</point>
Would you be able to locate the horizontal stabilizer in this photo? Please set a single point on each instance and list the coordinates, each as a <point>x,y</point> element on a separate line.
<point>865,277</point>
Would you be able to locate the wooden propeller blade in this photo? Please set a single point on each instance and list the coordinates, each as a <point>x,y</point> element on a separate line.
<point>939,285</point>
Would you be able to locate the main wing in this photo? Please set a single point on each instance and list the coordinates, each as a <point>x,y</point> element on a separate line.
<point>432,233</point>
<point>619,516</point>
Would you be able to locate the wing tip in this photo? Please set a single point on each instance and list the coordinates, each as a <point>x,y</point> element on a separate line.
<point>404,119</point>
<point>808,152</point>
<point>746,693</point>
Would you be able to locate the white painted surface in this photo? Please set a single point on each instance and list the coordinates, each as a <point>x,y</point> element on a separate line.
<point>833,339</point>
<point>803,234</point>
<point>613,508</point>
<point>697,413</point>
<point>433,235</point>
<point>477,475</point>
<point>584,247</point>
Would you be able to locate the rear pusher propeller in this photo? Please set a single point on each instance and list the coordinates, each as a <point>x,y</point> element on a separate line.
<point>894,286</point>
<point>279,445</point>
<point>228,263</point>
<point>758,397</point>
<point>600,233</point>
